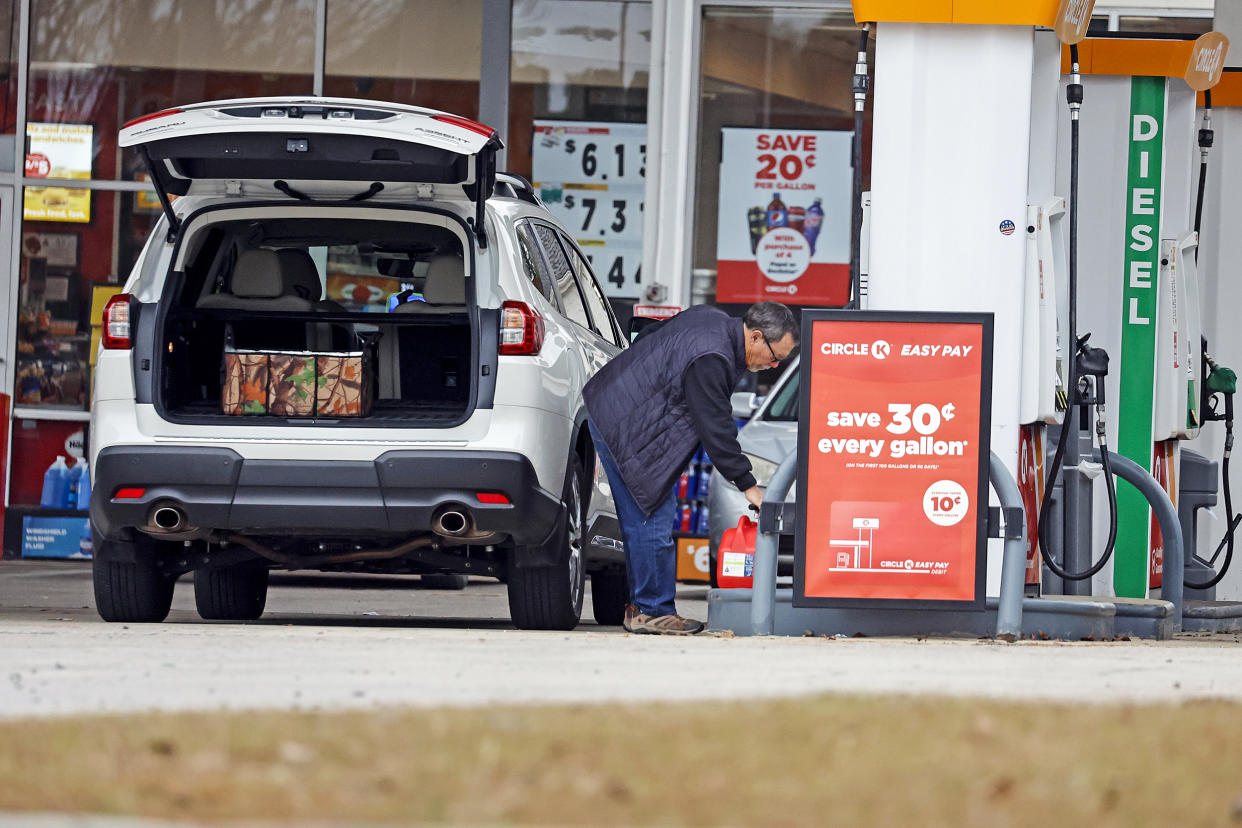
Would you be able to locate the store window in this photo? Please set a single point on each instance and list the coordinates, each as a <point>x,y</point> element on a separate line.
<point>577,124</point>
<point>421,52</point>
<point>8,76</point>
<point>776,119</point>
<point>1150,24</point>
<point>96,64</point>
<point>67,271</point>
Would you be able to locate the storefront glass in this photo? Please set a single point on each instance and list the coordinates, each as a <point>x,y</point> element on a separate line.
<point>422,52</point>
<point>8,69</point>
<point>67,272</point>
<point>96,64</point>
<point>577,125</point>
<point>776,115</point>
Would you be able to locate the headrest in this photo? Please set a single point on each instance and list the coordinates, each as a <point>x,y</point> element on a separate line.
<point>446,281</point>
<point>257,275</point>
<point>301,277</point>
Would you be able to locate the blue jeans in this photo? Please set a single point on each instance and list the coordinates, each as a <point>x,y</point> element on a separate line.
<point>650,558</point>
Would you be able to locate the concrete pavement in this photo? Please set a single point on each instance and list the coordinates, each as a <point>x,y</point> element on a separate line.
<point>361,642</point>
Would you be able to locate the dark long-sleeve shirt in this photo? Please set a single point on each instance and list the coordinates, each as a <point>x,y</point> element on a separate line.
<point>709,386</point>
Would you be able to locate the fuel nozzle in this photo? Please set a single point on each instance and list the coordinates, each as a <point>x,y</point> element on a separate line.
<point>1090,366</point>
<point>1220,381</point>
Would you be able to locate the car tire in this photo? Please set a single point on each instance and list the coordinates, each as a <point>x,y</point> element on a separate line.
<point>444,580</point>
<point>550,597</point>
<point>230,593</point>
<point>136,593</point>
<point>610,592</point>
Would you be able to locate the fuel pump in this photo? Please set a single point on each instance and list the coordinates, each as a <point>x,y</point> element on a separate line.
<point>1218,383</point>
<point>1087,368</point>
<point>1042,398</point>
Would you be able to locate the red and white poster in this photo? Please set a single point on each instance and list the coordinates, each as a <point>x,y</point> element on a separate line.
<point>1031,487</point>
<point>892,489</point>
<point>1164,469</point>
<point>783,226</point>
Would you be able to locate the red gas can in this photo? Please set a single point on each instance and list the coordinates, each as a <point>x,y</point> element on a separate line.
<point>735,560</point>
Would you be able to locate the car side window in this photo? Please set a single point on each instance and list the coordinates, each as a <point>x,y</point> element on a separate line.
<point>532,262</point>
<point>563,276</point>
<point>595,300</point>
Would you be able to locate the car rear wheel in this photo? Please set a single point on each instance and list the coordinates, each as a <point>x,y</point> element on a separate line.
<point>138,593</point>
<point>550,597</point>
<point>610,591</point>
<point>230,593</point>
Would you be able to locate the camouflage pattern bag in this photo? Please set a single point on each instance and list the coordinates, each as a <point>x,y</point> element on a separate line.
<point>245,382</point>
<point>344,388</point>
<point>291,384</point>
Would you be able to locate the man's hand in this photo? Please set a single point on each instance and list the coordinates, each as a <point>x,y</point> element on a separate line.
<point>755,495</point>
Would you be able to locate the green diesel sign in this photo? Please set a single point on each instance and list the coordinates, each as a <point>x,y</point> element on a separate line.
<point>1138,326</point>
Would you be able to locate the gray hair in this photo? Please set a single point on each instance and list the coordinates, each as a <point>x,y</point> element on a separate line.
<point>772,319</point>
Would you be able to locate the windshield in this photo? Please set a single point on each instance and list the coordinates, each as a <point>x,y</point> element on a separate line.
<point>784,406</point>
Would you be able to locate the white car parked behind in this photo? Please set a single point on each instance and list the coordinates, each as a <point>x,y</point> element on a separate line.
<point>258,405</point>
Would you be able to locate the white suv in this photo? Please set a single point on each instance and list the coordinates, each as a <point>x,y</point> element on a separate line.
<point>349,344</point>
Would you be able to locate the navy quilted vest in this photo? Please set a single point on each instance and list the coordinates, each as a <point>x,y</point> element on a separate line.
<point>637,401</point>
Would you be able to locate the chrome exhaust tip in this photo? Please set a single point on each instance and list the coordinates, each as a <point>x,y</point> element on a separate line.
<point>168,518</point>
<point>452,523</point>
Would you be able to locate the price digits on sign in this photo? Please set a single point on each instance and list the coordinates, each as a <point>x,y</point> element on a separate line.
<point>616,271</point>
<point>925,419</point>
<point>590,157</point>
<point>614,215</point>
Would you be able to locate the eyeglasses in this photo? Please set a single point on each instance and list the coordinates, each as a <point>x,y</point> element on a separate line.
<point>775,358</point>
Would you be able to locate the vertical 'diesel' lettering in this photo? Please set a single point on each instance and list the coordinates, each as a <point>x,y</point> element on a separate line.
<point>1136,375</point>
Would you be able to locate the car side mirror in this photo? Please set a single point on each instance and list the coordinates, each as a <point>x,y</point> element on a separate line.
<point>744,404</point>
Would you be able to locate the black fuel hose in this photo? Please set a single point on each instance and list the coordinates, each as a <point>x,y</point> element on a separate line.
<point>1074,97</point>
<point>1226,543</point>
<point>1232,520</point>
<point>862,83</point>
<point>1110,486</point>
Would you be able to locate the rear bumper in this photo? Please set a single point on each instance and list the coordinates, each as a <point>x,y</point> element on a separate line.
<point>396,494</point>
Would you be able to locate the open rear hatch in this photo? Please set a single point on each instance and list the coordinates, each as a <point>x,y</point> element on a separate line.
<point>237,305</point>
<point>307,148</point>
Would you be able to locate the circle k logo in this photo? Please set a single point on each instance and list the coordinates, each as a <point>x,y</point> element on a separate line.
<point>880,349</point>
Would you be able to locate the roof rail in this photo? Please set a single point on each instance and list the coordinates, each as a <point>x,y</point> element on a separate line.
<point>512,185</point>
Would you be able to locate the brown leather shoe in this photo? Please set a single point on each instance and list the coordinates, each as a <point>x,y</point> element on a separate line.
<point>631,612</point>
<point>665,625</point>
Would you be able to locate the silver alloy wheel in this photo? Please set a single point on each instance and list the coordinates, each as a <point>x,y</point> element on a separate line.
<point>575,540</point>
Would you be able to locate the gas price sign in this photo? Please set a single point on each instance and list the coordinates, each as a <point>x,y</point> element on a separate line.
<point>592,176</point>
<point>893,454</point>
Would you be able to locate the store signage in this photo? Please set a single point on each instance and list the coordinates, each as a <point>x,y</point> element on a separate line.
<point>1132,570</point>
<point>58,151</point>
<point>783,221</point>
<point>55,537</point>
<point>592,176</point>
<point>657,311</point>
<point>893,459</point>
<point>1207,61</point>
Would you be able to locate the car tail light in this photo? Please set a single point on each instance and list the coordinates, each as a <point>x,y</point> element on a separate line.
<point>116,323</point>
<point>129,494</point>
<point>521,330</point>
<point>465,123</point>
<point>494,498</point>
<point>151,117</point>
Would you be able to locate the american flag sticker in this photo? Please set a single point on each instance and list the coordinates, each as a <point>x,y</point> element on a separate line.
<point>1006,228</point>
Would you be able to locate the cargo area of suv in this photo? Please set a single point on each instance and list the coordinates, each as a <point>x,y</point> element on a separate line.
<point>260,313</point>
